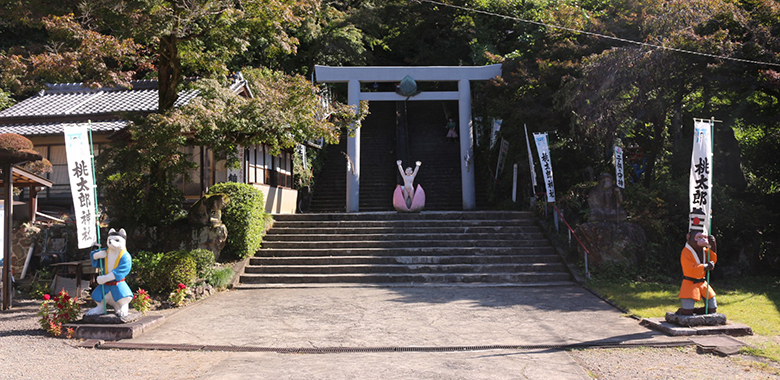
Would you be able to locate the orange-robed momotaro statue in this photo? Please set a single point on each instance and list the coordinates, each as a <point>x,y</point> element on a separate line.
<point>696,259</point>
<point>694,286</point>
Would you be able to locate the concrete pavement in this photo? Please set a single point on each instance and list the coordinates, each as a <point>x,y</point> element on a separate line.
<point>395,332</point>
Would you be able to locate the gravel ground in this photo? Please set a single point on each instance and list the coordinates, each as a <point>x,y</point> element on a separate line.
<point>681,363</point>
<point>26,352</point>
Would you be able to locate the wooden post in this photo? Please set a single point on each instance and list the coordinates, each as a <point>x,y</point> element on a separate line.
<point>8,206</point>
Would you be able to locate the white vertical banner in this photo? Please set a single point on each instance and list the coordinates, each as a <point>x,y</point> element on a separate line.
<point>502,151</point>
<point>543,148</point>
<point>620,178</point>
<point>237,175</point>
<point>700,184</point>
<point>82,186</point>
<point>530,159</point>
<point>477,129</point>
<point>494,132</point>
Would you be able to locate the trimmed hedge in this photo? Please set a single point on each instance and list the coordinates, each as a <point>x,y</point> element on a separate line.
<point>161,273</point>
<point>244,217</point>
<point>204,260</point>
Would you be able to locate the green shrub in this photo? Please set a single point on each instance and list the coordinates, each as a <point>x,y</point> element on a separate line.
<point>244,217</point>
<point>204,260</point>
<point>176,267</point>
<point>219,278</point>
<point>161,273</point>
<point>145,272</point>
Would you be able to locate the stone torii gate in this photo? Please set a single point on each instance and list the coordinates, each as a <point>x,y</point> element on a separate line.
<point>356,75</point>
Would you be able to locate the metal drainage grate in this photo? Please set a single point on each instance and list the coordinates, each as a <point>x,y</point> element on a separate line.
<point>339,350</point>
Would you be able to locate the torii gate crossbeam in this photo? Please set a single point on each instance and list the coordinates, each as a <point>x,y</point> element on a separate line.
<point>353,76</point>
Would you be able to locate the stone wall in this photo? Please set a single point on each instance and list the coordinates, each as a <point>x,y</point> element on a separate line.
<point>24,236</point>
<point>178,237</point>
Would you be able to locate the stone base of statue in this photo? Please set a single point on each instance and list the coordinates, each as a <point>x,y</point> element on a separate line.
<point>110,327</point>
<point>612,242</point>
<point>713,319</point>
<point>673,329</point>
<point>111,318</point>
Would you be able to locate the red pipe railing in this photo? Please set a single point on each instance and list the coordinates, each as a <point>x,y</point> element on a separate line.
<point>560,215</point>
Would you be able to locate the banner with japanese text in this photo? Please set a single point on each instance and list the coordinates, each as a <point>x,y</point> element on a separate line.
<point>237,174</point>
<point>82,185</point>
<point>494,132</point>
<point>502,152</point>
<point>543,149</point>
<point>620,179</point>
<point>701,172</point>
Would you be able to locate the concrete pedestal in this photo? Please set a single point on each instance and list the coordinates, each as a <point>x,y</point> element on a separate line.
<point>114,331</point>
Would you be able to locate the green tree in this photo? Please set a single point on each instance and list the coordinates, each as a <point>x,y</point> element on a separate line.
<point>71,53</point>
<point>186,38</point>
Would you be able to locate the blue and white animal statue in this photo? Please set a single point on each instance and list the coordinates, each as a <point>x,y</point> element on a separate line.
<point>114,263</point>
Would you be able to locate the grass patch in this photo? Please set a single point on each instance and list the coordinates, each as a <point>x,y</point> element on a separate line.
<point>753,301</point>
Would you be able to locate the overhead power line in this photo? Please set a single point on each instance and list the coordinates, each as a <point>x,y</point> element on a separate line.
<point>599,35</point>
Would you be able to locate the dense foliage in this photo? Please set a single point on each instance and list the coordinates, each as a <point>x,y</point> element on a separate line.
<point>244,217</point>
<point>161,273</point>
<point>593,73</point>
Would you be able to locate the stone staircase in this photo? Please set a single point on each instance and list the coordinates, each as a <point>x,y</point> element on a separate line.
<point>388,248</point>
<point>439,175</point>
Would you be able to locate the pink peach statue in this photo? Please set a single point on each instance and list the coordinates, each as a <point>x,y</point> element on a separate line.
<point>407,198</point>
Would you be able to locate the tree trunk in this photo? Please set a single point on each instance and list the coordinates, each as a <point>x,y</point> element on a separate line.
<point>657,119</point>
<point>679,165</point>
<point>168,72</point>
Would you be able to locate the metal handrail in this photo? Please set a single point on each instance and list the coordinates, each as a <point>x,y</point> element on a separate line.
<point>560,215</point>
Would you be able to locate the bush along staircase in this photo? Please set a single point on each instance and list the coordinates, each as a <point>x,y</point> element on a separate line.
<point>388,248</point>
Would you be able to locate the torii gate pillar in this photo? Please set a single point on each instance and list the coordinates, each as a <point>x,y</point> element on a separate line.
<point>353,76</point>
<point>466,146</point>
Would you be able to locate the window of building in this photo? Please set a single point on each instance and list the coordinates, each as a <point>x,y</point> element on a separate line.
<point>263,168</point>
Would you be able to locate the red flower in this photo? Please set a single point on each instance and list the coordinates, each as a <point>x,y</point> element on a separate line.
<point>182,286</point>
<point>46,297</point>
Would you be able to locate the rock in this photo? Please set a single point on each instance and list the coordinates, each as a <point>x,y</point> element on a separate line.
<point>612,242</point>
<point>713,319</point>
<point>110,318</point>
<point>604,201</point>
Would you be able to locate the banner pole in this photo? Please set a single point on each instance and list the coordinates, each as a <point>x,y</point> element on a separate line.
<point>709,216</point>
<point>97,210</point>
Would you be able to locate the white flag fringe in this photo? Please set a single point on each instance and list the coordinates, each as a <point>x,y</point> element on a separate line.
<point>82,186</point>
<point>700,184</point>
<point>543,148</point>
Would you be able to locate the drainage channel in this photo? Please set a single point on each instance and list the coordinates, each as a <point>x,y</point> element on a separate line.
<point>97,344</point>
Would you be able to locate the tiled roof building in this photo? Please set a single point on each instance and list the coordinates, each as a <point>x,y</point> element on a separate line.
<point>43,117</point>
<point>72,103</point>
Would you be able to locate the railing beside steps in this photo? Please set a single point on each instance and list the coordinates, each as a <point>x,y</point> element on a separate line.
<point>573,233</point>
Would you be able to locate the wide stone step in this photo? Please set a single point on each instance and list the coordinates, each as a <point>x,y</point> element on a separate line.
<point>403,244</point>
<point>408,251</point>
<point>406,260</point>
<point>431,247</point>
<point>526,224</point>
<point>526,277</point>
<point>404,229</point>
<point>395,236</point>
<point>405,268</point>
<point>432,215</point>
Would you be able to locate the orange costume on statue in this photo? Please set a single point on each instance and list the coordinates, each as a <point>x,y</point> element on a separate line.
<point>694,285</point>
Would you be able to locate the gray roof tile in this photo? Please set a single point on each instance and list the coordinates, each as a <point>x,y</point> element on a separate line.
<point>71,99</point>
<point>57,128</point>
<point>73,104</point>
